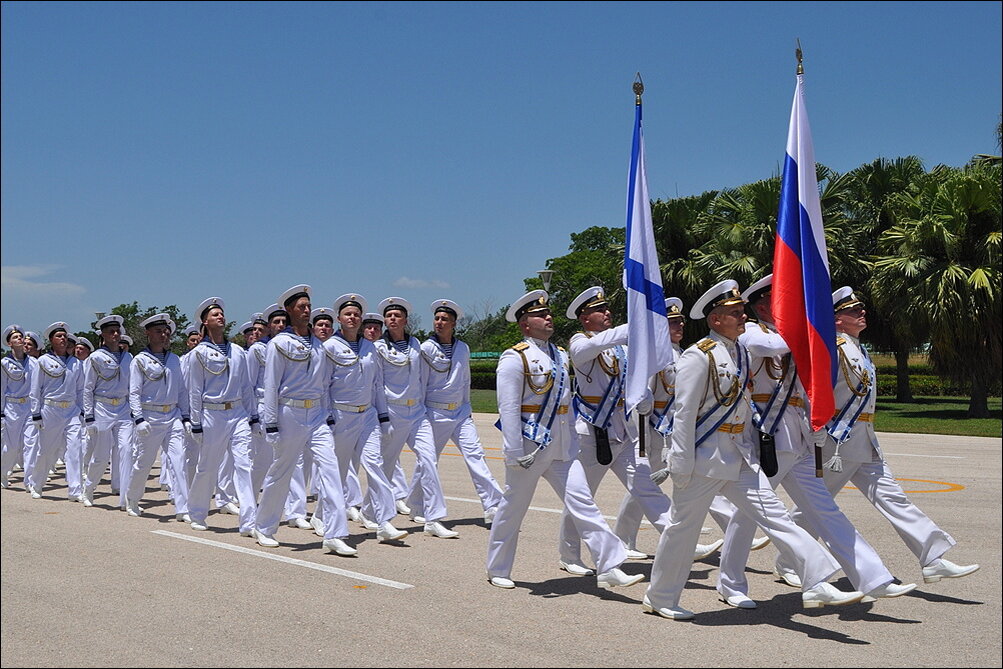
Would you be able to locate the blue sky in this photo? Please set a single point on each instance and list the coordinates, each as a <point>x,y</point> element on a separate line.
<point>167,152</point>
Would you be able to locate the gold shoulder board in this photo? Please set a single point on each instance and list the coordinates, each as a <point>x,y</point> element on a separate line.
<point>706,344</point>
<point>840,340</point>
<point>521,346</point>
<point>765,329</point>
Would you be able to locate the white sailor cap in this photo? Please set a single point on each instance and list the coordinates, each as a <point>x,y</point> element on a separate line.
<point>394,303</point>
<point>206,305</point>
<point>84,341</point>
<point>449,307</point>
<point>258,317</point>
<point>272,311</point>
<point>192,329</point>
<point>321,312</point>
<point>845,298</point>
<point>588,298</point>
<point>56,327</point>
<point>759,289</point>
<point>155,320</point>
<point>372,318</point>
<point>125,339</point>
<point>172,326</point>
<point>246,327</point>
<point>28,334</point>
<point>351,300</point>
<point>72,338</point>
<point>531,302</point>
<point>293,294</point>
<point>674,308</point>
<point>723,294</point>
<point>113,319</point>
<point>10,330</point>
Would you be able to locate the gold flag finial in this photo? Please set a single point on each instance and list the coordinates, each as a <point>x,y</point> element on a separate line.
<point>638,89</point>
<point>800,56</point>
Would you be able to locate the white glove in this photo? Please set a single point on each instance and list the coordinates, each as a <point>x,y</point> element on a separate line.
<point>658,477</point>
<point>37,421</point>
<point>818,437</point>
<point>387,429</point>
<point>143,429</point>
<point>526,461</point>
<point>680,481</point>
<point>196,436</point>
<point>92,430</point>
<point>645,405</point>
<point>272,438</point>
<point>256,429</point>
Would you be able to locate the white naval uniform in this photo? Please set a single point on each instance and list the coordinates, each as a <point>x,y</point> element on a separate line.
<point>865,467</point>
<point>663,393</point>
<point>106,405</point>
<point>297,381</point>
<point>157,394</point>
<point>56,396</point>
<point>222,403</point>
<point>357,402</point>
<point>447,406</point>
<point>771,366</point>
<point>592,354</point>
<point>726,463</point>
<point>261,450</point>
<point>404,384</point>
<point>557,463</point>
<point>15,388</point>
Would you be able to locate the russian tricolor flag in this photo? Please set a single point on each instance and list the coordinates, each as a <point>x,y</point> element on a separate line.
<point>802,291</point>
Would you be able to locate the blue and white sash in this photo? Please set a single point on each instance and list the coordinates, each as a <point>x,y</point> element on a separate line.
<point>537,428</point>
<point>708,423</point>
<point>767,417</point>
<point>601,415</point>
<point>841,425</point>
<point>663,422</point>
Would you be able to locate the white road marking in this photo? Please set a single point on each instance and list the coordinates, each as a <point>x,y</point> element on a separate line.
<point>288,560</point>
<point>917,455</point>
<point>532,508</point>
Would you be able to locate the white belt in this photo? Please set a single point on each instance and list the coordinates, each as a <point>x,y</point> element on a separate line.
<point>219,406</point>
<point>299,404</point>
<point>160,408</point>
<point>113,401</point>
<point>403,403</point>
<point>56,403</point>
<point>17,400</point>
<point>351,408</point>
<point>450,406</point>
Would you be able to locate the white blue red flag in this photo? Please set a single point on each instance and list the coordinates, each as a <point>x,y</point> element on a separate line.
<point>648,343</point>
<point>802,291</point>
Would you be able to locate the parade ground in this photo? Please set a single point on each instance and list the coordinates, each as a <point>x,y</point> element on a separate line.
<point>95,587</point>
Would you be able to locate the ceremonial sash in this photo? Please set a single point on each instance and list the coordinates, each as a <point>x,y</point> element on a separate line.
<point>841,425</point>
<point>767,417</point>
<point>664,421</point>
<point>601,415</point>
<point>708,423</point>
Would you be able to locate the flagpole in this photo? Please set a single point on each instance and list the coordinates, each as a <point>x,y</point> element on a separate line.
<point>642,437</point>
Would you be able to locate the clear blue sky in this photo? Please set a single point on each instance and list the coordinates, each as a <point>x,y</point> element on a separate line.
<point>167,152</point>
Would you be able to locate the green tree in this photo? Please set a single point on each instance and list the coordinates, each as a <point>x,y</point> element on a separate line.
<point>134,314</point>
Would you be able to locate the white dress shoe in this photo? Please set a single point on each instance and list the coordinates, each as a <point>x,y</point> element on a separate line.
<point>317,524</point>
<point>634,554</point>
<point>388,532</point>
<point>789,577</point>
<point>87,496</point>
<point>418,519</point>
<point>402,508</point>
<point>891,590</point>
<point>670,612</point>
<point>501,582</point>
<point>942,568</point>
<point>230,508</point>
<point>133,509</point>
<point>339,547</point>
<point>368,524</point>
<point>37,495</point>
<point>761,542</point>
<point>4,483</point>
<point>199,527</point>
<point>300,524</point>
<point>826,594</point>
<point>247,533</point>
<point>75,498</point>
<point>183,518</point>
<point>437,529</point>
<point>738,601</point>
<point>489,515</point>
<point>354,514</point>
<point>264,540</point>
<point>706,550</point>
<point>615,578</point>
<point>575,569</point>
<point>164,487</point>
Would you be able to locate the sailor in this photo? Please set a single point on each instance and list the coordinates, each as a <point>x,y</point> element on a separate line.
<point>32,344</point>
<point>83,349</point>
<point>19,369</point>
<point>538,439</point>
<point>125,343</point>
<point>261,450</point>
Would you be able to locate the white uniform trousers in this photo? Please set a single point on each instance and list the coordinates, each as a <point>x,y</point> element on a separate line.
<point>674,556</point>
<point>353,488</point>
<point>636,479</point>
<point>860,562</point>
<point>226,430</point>
<point>261,459</point>
<point>464,435</point>
<point>16,420</point>
<point>399,482</point>
<point>416,431</point>
<point>631,513</point>
<point>112,445</point>
<point>567,478</point>
<point>167,437</point>
<point>301,430</point>
<point>357,440</point>
<point>226,490</point>
<point>299,482</point>
<point>60,432</point>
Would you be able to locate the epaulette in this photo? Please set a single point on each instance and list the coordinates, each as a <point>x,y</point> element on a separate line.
<point>706,344</point>
<point>840,340</point>
<point>521,346</point>
<point>762,327</point>
<point>561,349</point>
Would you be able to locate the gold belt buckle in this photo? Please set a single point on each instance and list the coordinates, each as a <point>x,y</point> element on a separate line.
<point>307,404</point>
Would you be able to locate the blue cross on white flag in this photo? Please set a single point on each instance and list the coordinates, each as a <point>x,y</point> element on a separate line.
<point>648,342</point>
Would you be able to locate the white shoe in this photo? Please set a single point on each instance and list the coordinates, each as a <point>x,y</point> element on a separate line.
<point>575,569</point>
<point>402,508</point>
<point>339,547</point>
<point>37,495</point>
<point>489,515</point>
<point>826,594</point>
<point>672,613</point>
<point>4,483</point>
<point>789,577</point>
<point>738,601</point>
<point>264,540</point>
<point>300,524</point>
<point>317,524</point>
<point>634,554</point>
<point>230,508</point>
<point>761,542</point>
<point>75,498</point>
<point>706,550</point>
<point>387,532</point>
<point>942,568</point>
<point>368,524</point>
<point>247,533</point>
<point>437,529</point>
<point>132,508</point>
<point>164,487</point>
<point>616,578</point>
<point>198,527</point>
<point>354,514</point>
<point>183,518</point>
<point>87,497</point>
<point>418,519</point>
<point>890,590</point>
<point>501,582</point>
